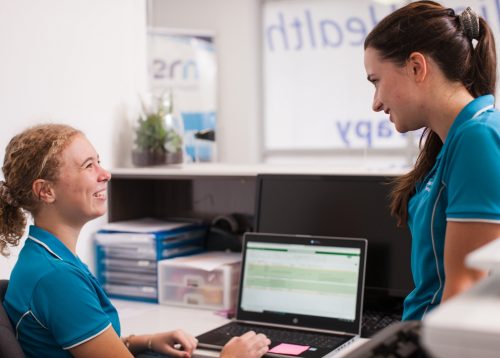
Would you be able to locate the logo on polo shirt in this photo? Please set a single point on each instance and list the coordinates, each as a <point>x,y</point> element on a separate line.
<point>428,186</point>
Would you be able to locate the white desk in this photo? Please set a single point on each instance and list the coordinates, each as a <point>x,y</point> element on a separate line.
<point>144,318</point>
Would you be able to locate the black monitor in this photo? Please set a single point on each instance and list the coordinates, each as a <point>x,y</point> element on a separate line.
<point>339,205</point>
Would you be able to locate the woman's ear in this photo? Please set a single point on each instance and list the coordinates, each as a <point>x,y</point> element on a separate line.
<point>43,191</point>
<point>417,66</point>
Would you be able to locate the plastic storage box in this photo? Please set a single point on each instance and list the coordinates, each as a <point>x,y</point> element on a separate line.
<point>209,280</point>
<point>127,254</point>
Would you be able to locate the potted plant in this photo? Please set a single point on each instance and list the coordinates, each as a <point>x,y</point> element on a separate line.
<point>158,137</point>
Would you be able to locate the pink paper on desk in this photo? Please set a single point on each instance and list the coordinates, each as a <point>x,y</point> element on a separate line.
<point>292,349</point>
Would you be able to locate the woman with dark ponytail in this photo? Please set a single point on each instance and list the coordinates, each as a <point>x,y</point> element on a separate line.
<point>433,68</point>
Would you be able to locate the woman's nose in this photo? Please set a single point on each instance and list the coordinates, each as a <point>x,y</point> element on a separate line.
<point>105,175</point>
<point>377,106</point>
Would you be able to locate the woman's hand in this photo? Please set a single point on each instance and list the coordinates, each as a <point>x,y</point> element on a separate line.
<point>175,343</point>
<point>249,345</point>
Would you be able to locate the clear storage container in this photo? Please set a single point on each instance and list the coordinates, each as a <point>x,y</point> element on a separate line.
<point>181,285</point>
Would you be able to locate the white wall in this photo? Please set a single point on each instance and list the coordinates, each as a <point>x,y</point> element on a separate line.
<point>80,62</point>
<point>236,24</point>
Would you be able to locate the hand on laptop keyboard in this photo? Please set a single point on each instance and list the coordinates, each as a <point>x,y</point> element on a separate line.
<point>248,345</point>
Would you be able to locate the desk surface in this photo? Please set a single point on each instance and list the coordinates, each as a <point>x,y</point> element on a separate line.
<point>144,318</point>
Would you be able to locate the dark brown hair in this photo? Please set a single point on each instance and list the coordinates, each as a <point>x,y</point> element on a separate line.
<point>30,155</point>
<point>436,31</point>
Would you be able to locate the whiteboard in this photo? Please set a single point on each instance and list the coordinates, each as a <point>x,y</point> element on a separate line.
<point>316,96</point>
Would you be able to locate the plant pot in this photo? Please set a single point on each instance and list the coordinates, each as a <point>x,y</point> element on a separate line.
<point>144,158</point>
<point>174,158</point>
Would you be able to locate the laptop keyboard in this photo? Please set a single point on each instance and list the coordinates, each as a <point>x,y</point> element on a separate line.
<point>400,340</point>
<point>374,321</point>
<point>317,340</point>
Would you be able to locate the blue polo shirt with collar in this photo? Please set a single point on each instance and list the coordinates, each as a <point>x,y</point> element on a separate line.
<point>53,300</point>
<point>463,185</point>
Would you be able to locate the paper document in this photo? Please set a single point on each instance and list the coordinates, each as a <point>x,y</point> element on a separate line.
<point>145,225</point>
<point>125,239</point>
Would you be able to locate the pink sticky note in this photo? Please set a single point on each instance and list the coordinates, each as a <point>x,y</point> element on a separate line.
<point>292,349</point>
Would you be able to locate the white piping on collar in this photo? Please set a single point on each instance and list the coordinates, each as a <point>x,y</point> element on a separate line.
<point>484,109</point>
<point>45,246</point>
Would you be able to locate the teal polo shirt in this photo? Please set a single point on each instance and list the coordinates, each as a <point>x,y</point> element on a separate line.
<point>463,185</point>
<point>53,300</point>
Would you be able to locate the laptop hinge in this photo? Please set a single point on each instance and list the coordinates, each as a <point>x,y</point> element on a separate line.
<point>300,328</point>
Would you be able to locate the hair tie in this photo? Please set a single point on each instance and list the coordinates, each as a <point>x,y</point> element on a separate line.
<point>6,195</point>
<point>469,21</point>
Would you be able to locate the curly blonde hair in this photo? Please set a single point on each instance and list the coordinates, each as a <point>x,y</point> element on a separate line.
<point>32,154</point>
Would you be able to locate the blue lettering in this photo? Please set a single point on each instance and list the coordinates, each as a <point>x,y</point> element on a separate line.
<point>174,64</point>
<point>343,132</point>
<point>310,28</point>
<point>306,30</point>
<point>497,5</point>
<point>385,129</point>
<point>326,39</point>
<point>371,10</point>
<point>356,25</point>
<point>186,68</point>
<point>364,130</point>
<point>281,29</point>
<point>159,67</point>
<point>484,13</point>
<point>302,31</point>
<point>369,131</point>
<point>190,64</point>
<point>298,26</point>
<point>373,16</point>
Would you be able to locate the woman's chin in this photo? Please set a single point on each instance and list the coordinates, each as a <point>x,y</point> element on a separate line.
<point>400,128</point>
<point>99,212</point>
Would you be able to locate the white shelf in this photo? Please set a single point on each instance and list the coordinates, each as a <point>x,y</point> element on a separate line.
<point>233,170</point>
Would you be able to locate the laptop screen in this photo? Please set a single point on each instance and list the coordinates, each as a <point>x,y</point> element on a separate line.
<point>309,281</point>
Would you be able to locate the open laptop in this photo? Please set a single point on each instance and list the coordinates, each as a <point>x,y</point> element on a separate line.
<point>304,292</point>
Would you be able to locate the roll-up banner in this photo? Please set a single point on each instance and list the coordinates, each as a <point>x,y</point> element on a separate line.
<point>184,63</point>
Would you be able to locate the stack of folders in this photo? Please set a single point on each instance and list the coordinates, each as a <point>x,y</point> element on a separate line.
<point>127,254</point>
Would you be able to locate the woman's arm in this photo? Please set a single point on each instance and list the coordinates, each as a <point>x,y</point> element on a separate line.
<point>105,345</point>
<point>108,344</point>
<point>174,344</point>
<point>461,239</point>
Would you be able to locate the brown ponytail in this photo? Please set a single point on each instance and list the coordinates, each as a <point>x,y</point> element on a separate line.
<point>436,31</point>
<point>13,222</point>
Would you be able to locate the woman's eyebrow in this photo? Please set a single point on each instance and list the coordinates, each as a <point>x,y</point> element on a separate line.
<point>87,159</point>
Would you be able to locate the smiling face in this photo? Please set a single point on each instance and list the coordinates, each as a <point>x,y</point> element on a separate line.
<point>396,92</point>
<point>80,189</point>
